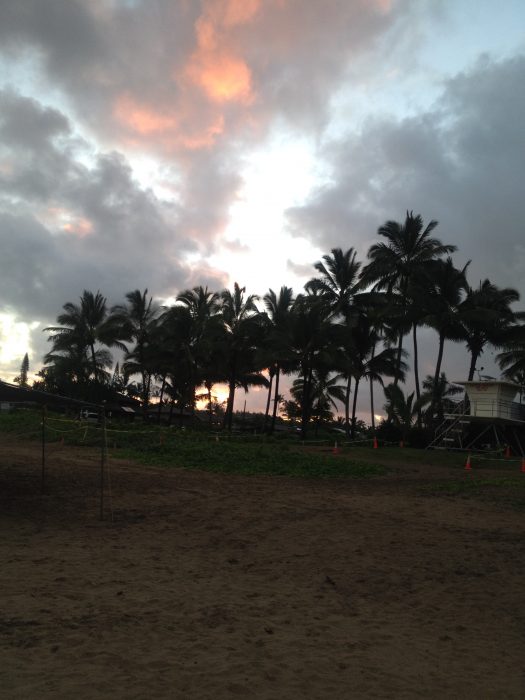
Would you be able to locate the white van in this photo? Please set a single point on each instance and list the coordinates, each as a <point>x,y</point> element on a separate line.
<point>89,416</point>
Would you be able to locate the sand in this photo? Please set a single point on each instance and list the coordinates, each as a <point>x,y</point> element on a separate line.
<point>212,586</point>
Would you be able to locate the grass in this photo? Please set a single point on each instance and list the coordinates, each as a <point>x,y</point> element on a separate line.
<point>169,448</point>
<point>249,458</point>
<point>241,454</point>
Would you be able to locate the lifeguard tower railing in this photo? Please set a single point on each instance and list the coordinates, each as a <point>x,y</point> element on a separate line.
<point>497,409</point>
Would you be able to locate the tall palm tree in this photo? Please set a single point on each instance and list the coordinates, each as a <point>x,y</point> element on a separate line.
<point>393,262</point>
<point>276,347</point>
<point>512,357</point>
<point>369,365</point>
<point>204,308</point>
<point>339,285</point>
<point>339,280</point>
<point>178,329</point>
<point>135,322</point>
<point>85,327</point>
<point>486,316</point>
<point>243,326</point>
<point>314,340</point>
<point>447,287</point>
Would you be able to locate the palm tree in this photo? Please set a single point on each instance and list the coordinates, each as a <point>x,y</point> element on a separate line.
<point>136,322</point>
<point>243,333</point>
<point>486,315</point>
<point>400,409</point>
<point>83,327</point>
<point>339,281</point>
<point>393,263</point>
<point>179,366</point>
<point>447,286</point>
<point>366,364</point>
<point>276,347</point>
<point>323,394</point>
<point>440,397</point>
<point>512,358</point>
<point>204,308</point>
<point>339,285</point>
<point>313,342</point>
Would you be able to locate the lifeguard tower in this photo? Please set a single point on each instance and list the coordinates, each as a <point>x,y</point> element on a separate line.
<point>487,416</point>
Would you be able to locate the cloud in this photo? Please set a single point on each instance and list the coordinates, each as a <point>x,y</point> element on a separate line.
<point>460,163</point>
<point>187,81</point>
<point>74,218</point>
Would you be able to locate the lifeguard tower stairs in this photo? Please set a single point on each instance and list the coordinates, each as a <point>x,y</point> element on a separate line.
<point>487,418</point>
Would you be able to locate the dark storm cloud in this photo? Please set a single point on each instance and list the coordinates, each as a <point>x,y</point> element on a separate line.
<point>462,163</point>
<point>66,226</point>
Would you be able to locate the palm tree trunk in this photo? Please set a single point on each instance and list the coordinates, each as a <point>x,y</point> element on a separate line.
<point>473,359</point>
<point>276,399</point>
<point>267,412</point>
<point>416,374</point>
<point>305,408</point>
<point>372,416</point>
<point>398,358</point>
<point>172,406</point>
<point>354,406</point>
<point>181,413</point>
<point>347,406</point>
<point>208,386</point>
<point>228,417</point>
<point>372,412</point>
<point>94,361</point>
<point>437,372</point>
<point>229,405</point>
<point>163,386</point>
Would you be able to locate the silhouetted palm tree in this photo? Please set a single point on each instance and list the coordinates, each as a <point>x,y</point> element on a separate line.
<point>313,345</point>
<point>243,327</point>
<point>486,315</point>
<point>81,328</point>
<point>339,281</point>
<point>441,396</point>
<point>276,347</point>
<point>135,322</point>
<point>394,262</point>
<point>366,364</point>
<point>339,285</point>
<point>447,287</point>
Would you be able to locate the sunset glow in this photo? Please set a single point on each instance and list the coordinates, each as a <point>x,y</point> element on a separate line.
<point>223,77</point>
<point>141,118</point>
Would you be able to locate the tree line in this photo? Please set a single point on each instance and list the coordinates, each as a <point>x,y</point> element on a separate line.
<point>350,325</point>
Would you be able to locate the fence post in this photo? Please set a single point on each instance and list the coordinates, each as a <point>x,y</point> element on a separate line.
<point>103,456</point>
<point>43,477</point>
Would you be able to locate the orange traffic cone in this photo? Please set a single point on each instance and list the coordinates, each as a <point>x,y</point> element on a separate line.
<point>468,465</point>
<point>335,451</point>
<point>507,452</point>
<point>375,444</point>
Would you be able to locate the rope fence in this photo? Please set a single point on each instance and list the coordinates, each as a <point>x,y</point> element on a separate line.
<point>55,432</point>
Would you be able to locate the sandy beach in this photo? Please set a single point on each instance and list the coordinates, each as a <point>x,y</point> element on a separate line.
<point>212,586</point>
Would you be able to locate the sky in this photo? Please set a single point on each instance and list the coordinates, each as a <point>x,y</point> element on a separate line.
<point>164,144</point>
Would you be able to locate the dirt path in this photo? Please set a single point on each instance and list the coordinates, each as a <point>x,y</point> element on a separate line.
<point>210,586</point>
